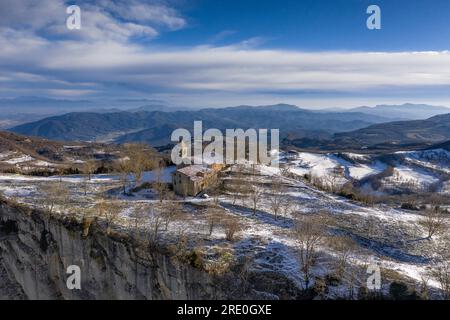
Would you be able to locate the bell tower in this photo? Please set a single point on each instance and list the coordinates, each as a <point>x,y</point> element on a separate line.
<point>184,149</point>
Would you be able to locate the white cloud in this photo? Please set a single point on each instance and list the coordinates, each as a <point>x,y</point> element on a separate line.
<point>100,20</point>
<point>31,14</point>
<point>230,68</point>
<point>101,53</point>
<point>145,12</point>
<point>69,92</point>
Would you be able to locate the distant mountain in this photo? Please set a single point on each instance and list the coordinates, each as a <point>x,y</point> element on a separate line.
<point>414,134</point>
<point>396,134</point>
<point>432,130</point>
<point>83,126</point>
<point>14,119</point>
<point>31,104</point>
<point>407,111</point>
<point>154,127</point>
<point>158,136</point>
<point>156,107</point>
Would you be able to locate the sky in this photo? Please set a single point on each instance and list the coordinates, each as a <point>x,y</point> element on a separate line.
<point>213,53</point>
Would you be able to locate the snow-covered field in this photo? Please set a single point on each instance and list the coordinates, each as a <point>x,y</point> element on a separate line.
<point>393,245</point>
<point>148,176</point>
<point>20,159</point>
<point>391,238</point>
<point>418,169</point>
<point>322,165</point>
<point>24,162</point>
<point>413,176</point>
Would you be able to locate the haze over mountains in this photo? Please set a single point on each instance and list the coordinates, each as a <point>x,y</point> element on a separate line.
<point>154,122</point>
<point>31,104</point>
<point>407,111</point>
<point>28,108</point>
<point>47,106</point>
<point>155,127</point>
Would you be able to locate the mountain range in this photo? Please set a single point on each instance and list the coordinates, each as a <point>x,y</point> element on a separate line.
<point>356,128</point>
<point>155,127</point>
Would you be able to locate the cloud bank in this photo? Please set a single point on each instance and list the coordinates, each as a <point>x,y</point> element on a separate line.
<point>39,55</point>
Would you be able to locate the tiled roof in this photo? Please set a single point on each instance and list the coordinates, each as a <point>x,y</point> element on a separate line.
<point>192,171</point>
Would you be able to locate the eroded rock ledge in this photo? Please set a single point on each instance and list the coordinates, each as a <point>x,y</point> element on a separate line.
<point>35,251</point>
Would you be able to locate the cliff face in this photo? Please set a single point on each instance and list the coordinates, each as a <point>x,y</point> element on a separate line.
<point>36,252</point>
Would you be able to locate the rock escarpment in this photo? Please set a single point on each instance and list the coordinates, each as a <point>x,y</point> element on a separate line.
<point>35,252</point>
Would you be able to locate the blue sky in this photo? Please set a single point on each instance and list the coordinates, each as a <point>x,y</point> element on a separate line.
<point>317,24</point>
<point>218,53</point>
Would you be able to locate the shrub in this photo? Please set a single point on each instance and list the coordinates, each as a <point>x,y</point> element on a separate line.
<point>398,291</point>
<point>223,263</point>
<point>195,258</point>
<point>409,206</point>
<point>232,226</point>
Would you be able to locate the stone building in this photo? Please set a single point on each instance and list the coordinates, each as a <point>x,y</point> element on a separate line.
<point>191,180</point>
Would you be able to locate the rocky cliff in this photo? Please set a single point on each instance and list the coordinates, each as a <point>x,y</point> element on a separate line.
<point>36,251</point>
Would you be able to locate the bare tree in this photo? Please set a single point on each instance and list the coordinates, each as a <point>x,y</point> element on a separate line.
<point>288,206</point>
<point>214,190</point>
<point>244,272</point>
<point>88,219</point>
<point>84,186</point>
<point>334,177</point>
<point>239,183</point>
<point>140,222</point>
<point>214,216</point>
<point>155,222</point>
<point>60,170</point>
<point>89,167</point>
<point>236,188</point>
<point>255,196</point>
<point>159,185</point>
<point>343,247</point>
<point>109,211</point>
<point>142,158</point>
<point>441,273</point>
<point>276,197</point>
<point>424,289</point>
<point>169,211</point>
<point>123,166</point>
<point>285,172</point>
<point>231,226</point>
<point>56,194</point>
<point>434,222</point>
<point>309,233</point>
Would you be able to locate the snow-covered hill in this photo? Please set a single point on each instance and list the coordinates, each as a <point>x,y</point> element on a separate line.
<point>416,169</point>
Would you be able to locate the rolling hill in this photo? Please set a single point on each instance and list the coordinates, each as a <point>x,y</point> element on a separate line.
<point>432,130</point>
<point>444,145</point>
<point>413,134</point>
<point>154,127</point>
<point>407,111</point>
